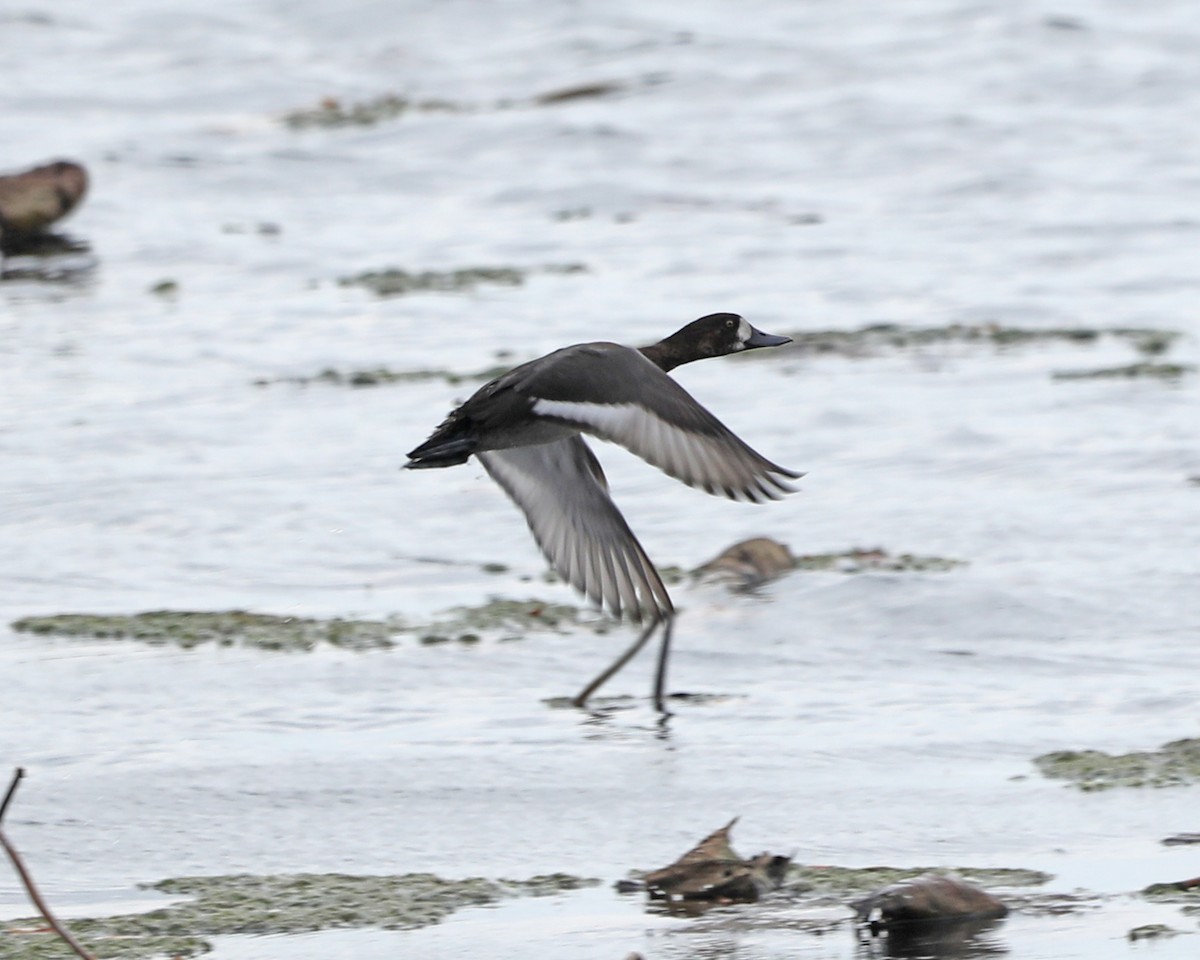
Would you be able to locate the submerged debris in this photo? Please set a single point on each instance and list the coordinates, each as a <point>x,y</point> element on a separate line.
<point>755,561</point>
<point>283,904</point>
<point>395,282</point>
<point>505,619</point>
<point>1175,764</point>
<point>711,871</point>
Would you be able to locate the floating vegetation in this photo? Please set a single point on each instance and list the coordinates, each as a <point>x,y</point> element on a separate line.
<point>283,904</point>
<point>1152,931</point>
<point>1143,370</point>
<point>382,376</point>
<point>584,91</point>
<point>1185,893</point>
<point>165,288</point>
<point>1175,764</point>
<point>189,629</point>
<point>505,619</point>
<point>863,561</point>
<point>830,882</point>
<point>332,113</point>
<point>395,282</point>
<point>509,620</point>
<point>755,561</point>
<point>894,336</point>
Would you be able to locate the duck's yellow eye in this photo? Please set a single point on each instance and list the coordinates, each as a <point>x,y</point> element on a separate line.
<point>729,323</point>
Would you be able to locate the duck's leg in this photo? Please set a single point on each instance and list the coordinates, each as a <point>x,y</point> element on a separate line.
<point>624,658</point>
<point>664,652</point>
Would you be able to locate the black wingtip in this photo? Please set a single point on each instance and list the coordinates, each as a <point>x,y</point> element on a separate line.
<point>432,463</point>
<point>435,452</point>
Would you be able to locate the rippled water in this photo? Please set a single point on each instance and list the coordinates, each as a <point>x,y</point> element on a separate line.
<point>809,165</point>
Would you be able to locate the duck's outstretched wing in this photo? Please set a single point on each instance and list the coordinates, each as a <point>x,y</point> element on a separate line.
<point>562,491</point>
<point>651,415</point>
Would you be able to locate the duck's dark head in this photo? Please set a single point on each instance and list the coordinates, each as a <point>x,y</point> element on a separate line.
<point>715,335</point>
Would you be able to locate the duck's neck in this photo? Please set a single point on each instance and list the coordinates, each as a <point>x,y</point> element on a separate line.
<point>665,354</point>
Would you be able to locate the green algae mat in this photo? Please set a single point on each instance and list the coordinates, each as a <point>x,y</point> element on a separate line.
<point>1174,764</point>
<point>290,903</point>
<point>183,628</point>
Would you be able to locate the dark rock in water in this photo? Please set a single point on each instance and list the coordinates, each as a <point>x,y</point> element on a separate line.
<point>934,914</point>
<point>1152,931</point>
<point>711,871</point>
<point>750,562</point>
<point>931,897</point>
<point>33,200</point>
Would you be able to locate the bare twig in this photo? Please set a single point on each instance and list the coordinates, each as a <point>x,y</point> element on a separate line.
<point>12,788</point>
<point>23,873</point>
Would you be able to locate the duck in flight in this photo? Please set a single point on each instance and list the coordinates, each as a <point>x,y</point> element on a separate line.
<point>526,428</point>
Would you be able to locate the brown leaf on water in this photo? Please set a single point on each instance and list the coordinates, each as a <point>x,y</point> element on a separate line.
<point>713,871</point>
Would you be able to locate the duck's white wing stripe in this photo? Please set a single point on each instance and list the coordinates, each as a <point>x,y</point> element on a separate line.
<point>712,458</point>
<point>561,489</point>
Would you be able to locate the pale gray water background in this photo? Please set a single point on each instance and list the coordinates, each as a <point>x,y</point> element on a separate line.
<point>1029,164</point>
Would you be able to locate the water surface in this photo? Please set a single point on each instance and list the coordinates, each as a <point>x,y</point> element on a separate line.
<point>807,165</point>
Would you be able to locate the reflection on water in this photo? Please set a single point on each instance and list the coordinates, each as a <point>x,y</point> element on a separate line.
<point>960,938</point>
